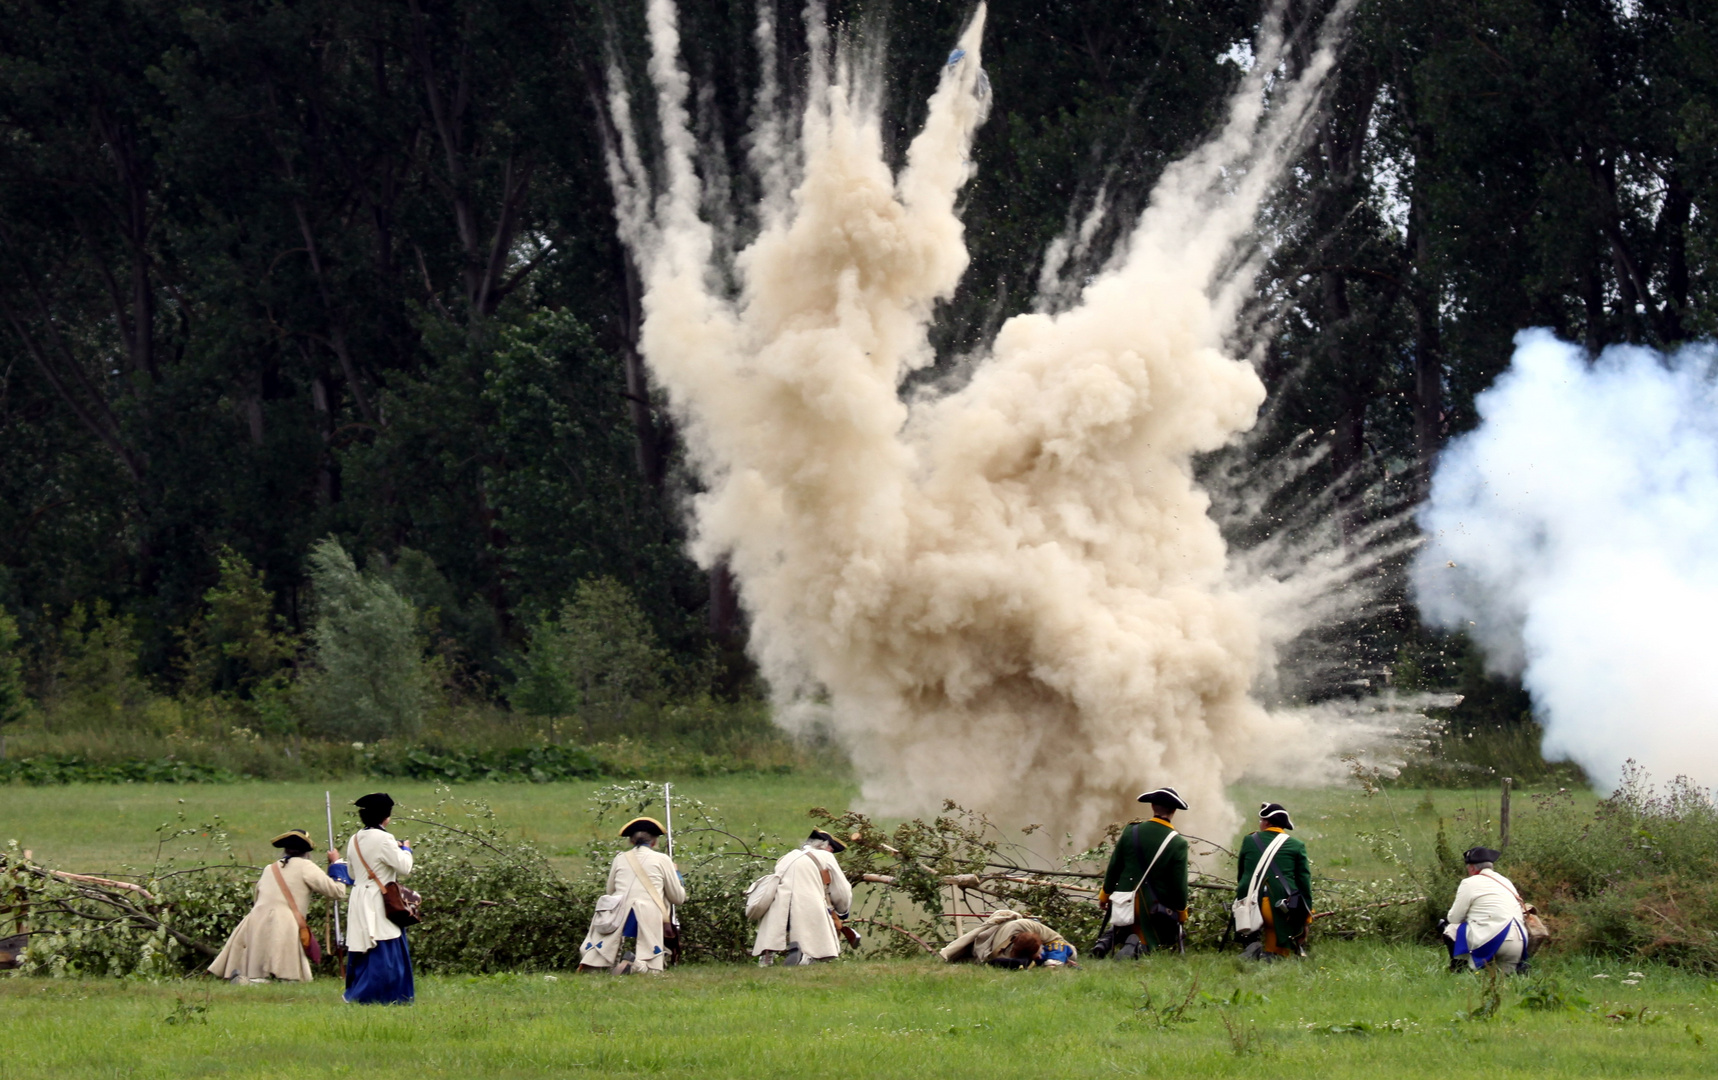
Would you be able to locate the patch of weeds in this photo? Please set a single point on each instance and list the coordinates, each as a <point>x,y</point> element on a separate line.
<point>959,1030</point>
<point>1243,1033</point>
<point>1699,1039</point>
<point>1490,996</point>
<point>1168,1013</point>
<point>1642,1016</point>
<point>1549,995</point>
<point>1239,998</point>
<point>188,1012</point>
<point>1364,1027</point>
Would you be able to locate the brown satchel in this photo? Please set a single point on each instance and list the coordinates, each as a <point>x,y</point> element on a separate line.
<point>402,904</point>
<point>306,940</point>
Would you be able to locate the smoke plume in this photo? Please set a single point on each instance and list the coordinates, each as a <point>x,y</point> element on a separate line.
<point>1572,535</point>
<point>1010,594</point>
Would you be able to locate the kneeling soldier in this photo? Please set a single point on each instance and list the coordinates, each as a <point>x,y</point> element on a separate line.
<point>1485,922</point>
<point>1145,887</point>
<point>647,886</point>
<point>1283,885</point>
<point>805,922</point>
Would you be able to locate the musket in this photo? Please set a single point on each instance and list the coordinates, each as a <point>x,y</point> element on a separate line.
<point>339,934</point>
<point>674,910</point>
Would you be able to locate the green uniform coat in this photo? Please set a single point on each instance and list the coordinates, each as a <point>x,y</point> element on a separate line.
<point>1293,870</point>
<point>1168,878</point>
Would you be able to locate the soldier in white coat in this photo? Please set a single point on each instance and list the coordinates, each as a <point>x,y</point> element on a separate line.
<point>647,886</point>
<point>269,944</point>
<point>379,960</point>
<point>1485,924</point>
<point>813,893</point>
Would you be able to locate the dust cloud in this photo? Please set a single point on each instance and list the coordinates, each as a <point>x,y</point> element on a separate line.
<point>1011,594</point>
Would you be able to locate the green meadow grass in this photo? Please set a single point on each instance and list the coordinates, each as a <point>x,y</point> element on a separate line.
<point>106,827</point>
<point>1354,1009</point>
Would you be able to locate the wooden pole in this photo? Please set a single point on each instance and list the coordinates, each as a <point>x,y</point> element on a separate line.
<point>1503,815</point>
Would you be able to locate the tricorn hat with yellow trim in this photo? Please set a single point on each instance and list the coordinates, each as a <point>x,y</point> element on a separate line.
<point>648,824</point>
<point>293,840</point>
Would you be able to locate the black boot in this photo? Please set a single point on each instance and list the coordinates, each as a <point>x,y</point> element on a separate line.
<point>1105,943</point>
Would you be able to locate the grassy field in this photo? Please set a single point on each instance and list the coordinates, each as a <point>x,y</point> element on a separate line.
<point>1353,1010</point>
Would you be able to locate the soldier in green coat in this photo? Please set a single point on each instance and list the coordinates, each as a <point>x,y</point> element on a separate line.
<point>1285,889</point>
<point>1145,888</point>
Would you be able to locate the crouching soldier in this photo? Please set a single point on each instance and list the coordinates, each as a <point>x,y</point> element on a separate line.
<point>274,940</point>
<point>812,898</point>
<point>1485,922</point>
<point>642,884</point>
<point>1010,939</point>
<point>1145,887</point>
<point>1275,872</point>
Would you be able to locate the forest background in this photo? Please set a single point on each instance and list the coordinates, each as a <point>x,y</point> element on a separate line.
<point>324,439</point>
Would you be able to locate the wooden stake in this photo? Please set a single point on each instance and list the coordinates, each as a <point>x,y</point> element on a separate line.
<point>1503,815</point>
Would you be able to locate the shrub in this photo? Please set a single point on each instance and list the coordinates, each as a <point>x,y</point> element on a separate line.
<point>238,645</point>
<point>91,677</point>
<point>371,680</point>
<point>595,661</point>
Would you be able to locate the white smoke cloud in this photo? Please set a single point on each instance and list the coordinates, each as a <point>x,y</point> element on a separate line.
<point>1574,535</point>
<point>1011,594</point>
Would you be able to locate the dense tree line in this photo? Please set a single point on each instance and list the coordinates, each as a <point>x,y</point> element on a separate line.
<point>275,271</point>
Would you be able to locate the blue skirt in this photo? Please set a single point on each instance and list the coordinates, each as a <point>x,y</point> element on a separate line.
<point>381,976</point>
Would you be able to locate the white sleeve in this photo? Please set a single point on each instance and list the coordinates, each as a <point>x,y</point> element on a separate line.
<point>396,856</point>
<point>1463,901</point>
<point>672,890</point>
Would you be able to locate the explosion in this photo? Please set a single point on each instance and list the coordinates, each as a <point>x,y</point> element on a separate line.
<point>1010,593</point>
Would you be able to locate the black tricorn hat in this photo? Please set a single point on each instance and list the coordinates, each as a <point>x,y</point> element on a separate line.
<point>380,800</point>
<point>834,844</point>
<point>645,824</point>
<point>293,840</point>
<point>1164,796</point>
<point>1480,854</point>
<point>1274,813</point>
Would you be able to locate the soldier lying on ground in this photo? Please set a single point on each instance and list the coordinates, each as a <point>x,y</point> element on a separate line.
<point>1010,939</point>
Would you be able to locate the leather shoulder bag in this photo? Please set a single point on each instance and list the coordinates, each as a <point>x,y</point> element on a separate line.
<point>402,904</point>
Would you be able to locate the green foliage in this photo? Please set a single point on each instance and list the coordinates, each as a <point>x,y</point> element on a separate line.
<point>156,923</point>
<point>492,902</point>
<point>536,764</point>
<point>566,480</point>
<point>92,679</point>
<point>1547,994</point>
<point>69,769</point>
<point>595,662</point>
<point>237,644</point>
<point>1457,756</point>
<point>371,679</point>
<point>1638,877</point>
